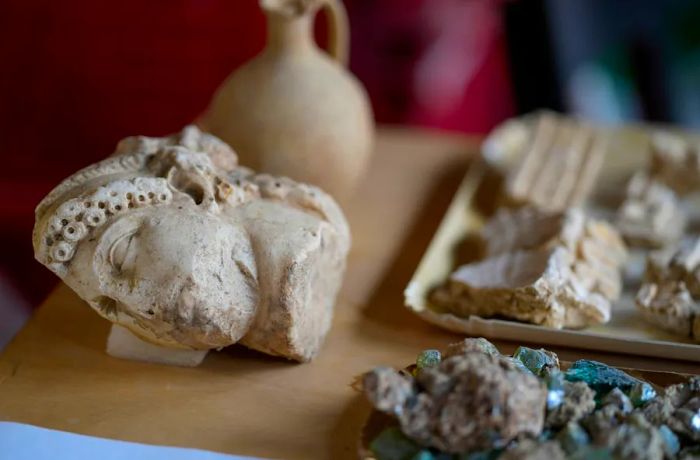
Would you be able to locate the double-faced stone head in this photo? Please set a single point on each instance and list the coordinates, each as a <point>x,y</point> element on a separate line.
<point>171,239</point>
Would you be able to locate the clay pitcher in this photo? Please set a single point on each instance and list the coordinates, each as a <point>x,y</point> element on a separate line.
<point>295,110</point>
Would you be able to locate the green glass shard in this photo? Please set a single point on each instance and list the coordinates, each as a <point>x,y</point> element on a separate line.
<point>492,454</point>
<point>671,442</point>
<point>592,453</point>
<point>641,393</point>
<point>392,444</point>
<point>545,435</point>
<point>572,438</point>
<point>519,364</point>
<point>428,358</point>
<point>600,377</point>
<point>424,455</point>
<point>554,379</point>
<point>537,361</point>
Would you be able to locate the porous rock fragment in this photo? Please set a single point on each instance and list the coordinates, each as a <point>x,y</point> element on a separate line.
<point>618,399</point>
<point>636,439</point>
<point>675,161</point>
<point>678,408</point>
<point>473,401</point>
<point>603,421</point>
<point>670,294</point>
<point>577,403</point>
<point>469,344</point>
<point>573,438</point>
<point>532,450</point>
<point>651,215</point>
<point>387,389</point>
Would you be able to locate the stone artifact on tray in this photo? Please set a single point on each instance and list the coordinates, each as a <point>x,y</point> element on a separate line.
<point>675,161</point>
<point>185,251</point>
<point>557,269</point>
<point>554,160</point>
<point>472,401</point>
<point>669,297</point>
<point>651,215</point>
<point>475,403</point>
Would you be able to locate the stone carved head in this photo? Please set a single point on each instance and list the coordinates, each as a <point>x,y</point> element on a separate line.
<point>172,240</point>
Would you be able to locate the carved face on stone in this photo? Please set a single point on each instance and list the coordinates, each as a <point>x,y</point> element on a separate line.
<point>185,275</point>
<point>159,240</point>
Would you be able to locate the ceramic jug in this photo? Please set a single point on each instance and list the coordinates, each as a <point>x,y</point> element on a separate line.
<point>295,110</point>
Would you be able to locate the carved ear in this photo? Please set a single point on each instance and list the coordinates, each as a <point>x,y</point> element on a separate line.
<point>195,184</point>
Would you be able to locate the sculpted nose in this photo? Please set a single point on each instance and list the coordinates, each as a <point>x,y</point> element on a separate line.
<point>187,300</point>
<point>195,295</point>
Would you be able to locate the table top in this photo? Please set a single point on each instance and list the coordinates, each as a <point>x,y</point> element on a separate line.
<point>56,374</point>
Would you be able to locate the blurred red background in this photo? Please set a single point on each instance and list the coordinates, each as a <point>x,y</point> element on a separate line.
<point>78,75</point>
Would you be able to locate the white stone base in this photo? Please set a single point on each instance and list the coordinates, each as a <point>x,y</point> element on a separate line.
<point>121,343</point>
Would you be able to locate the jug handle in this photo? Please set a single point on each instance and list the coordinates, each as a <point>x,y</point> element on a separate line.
<point>338,31</point>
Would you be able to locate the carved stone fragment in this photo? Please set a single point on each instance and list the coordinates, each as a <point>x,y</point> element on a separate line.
<point>171,240</point>
<point>553,269</point>
<point>651,215</point>
<point>675,161</point>
<point>670,294</point>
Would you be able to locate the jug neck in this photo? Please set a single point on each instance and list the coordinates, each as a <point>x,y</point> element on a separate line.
<point>289,33</point>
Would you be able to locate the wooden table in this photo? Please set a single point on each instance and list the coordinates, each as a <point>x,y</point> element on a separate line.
<point>55,373</point>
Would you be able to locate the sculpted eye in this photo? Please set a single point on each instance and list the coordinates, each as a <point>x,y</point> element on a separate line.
<point>122,252</point>
<point>118,247</point>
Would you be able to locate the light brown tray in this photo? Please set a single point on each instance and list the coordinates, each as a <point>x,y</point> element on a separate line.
<point>625,333</point>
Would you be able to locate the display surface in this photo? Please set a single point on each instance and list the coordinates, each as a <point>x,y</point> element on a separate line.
<point>55,372</point>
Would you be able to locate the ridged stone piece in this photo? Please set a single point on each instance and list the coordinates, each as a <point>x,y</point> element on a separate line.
<point>559,162</point>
